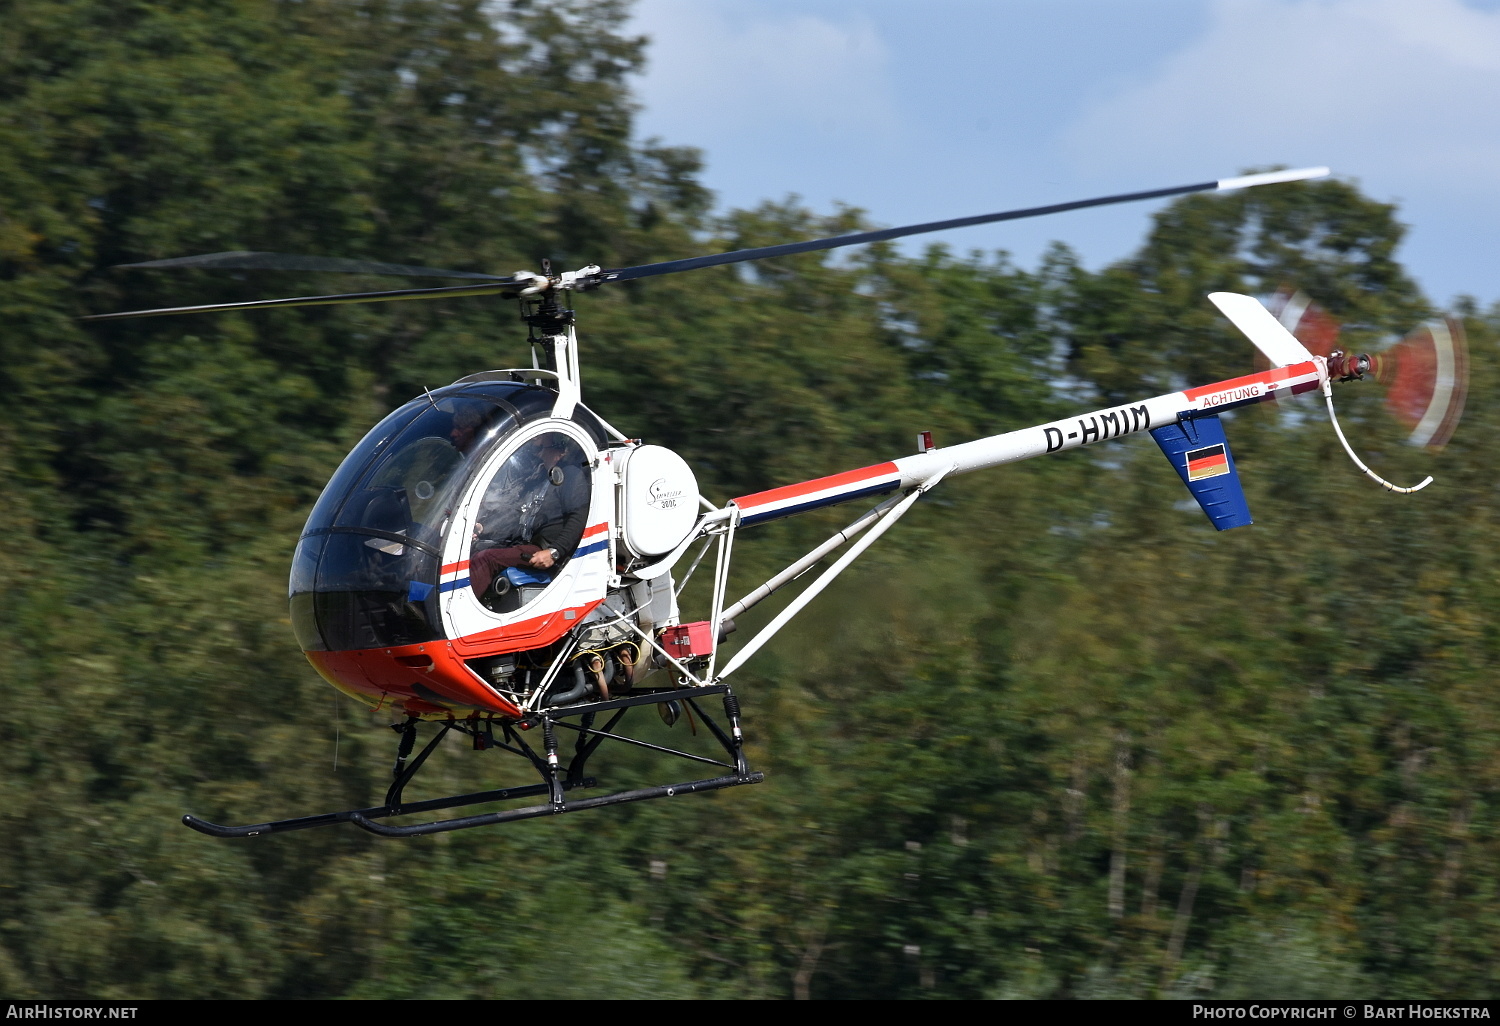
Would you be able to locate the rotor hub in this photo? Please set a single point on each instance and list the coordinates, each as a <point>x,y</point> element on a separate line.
<point>1344,366</point>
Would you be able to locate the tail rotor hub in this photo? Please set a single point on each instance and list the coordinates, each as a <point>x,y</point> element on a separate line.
<point>1344,366</point>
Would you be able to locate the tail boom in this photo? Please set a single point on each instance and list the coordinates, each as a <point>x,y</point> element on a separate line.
<point>1025,443</point>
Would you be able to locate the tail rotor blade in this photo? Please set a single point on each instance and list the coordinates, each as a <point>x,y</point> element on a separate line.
<point>1426,377</point>
<point>1267,333</point>
<point>1308,322</point>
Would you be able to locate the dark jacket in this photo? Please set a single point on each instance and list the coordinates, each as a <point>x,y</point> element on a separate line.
<point>564,513</point>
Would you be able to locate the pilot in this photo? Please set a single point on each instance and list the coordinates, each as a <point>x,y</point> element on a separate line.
<point>534,513</point>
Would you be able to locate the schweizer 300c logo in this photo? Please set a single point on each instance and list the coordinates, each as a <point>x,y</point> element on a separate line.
<point>663,495</point>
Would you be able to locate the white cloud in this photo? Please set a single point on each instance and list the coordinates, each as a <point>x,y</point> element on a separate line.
<point>1399,93</point>
<point>718,69</point>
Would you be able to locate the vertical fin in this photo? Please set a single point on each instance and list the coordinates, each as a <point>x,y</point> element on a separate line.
<point>1197,449</point>
<point>1263,330</point>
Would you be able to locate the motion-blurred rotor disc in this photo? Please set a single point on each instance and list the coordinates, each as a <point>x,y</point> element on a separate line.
<point>1426,374</point>
<point>1426,379</point>
<point>1308,322</point>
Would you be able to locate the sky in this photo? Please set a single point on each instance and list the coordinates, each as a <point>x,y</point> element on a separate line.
<point>923,111</point>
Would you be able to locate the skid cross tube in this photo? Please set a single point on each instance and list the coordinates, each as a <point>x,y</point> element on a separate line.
<point>650,698</point>
<point>731,746</point>
<point>553,777</point>
<point>587,745</point>
<point>644,744</point>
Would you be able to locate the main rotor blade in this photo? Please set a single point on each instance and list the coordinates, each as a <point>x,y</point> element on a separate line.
<point>790,248</point>
<point>506,287</point>
<point>243,260</point>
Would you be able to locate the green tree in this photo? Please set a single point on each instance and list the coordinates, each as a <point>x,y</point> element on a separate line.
<point>1054,736</point>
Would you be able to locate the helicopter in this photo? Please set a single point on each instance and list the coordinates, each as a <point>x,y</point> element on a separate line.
<point>496,559</point>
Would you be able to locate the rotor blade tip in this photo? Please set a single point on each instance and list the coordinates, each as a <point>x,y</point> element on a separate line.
<point>1273,178</point>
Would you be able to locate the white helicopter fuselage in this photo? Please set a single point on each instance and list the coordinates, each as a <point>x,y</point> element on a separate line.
<point>613,596</point>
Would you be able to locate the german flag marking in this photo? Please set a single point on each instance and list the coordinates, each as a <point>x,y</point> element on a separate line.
<point>1209,462</point>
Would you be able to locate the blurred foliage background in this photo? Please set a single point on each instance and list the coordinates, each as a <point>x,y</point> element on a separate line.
<point>1054,737</point>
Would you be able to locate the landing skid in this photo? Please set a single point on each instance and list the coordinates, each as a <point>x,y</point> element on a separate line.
<point>556,781</point>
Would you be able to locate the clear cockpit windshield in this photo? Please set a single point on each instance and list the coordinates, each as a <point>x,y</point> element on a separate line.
<point>368,563</point>
<point>409,492</point>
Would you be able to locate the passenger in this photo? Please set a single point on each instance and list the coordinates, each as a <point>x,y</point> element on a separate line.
<point>533,514</point>
<point>467,421</point>
<point>423,467</point>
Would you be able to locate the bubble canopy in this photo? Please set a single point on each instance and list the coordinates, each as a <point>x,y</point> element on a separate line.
<point>365,574</point>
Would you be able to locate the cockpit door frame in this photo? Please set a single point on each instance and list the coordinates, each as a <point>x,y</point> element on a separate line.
<point>580,582</point>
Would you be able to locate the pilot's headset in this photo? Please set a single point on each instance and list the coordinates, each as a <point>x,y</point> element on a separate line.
<point>556,441</point>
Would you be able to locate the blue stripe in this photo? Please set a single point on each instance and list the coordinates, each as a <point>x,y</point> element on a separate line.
<point>463,582</point>
<point>831,500</point>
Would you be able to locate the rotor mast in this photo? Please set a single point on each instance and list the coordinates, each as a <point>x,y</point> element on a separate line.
<point>552,330</point>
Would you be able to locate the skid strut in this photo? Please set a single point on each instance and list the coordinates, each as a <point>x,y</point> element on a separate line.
<point>558,777</point>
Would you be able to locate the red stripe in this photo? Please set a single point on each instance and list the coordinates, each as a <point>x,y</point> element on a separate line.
<point>1268,378</point>
<point>378,673</point>
<point>464,564</point>
<point>525,634</point>
<point>848,477</point>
